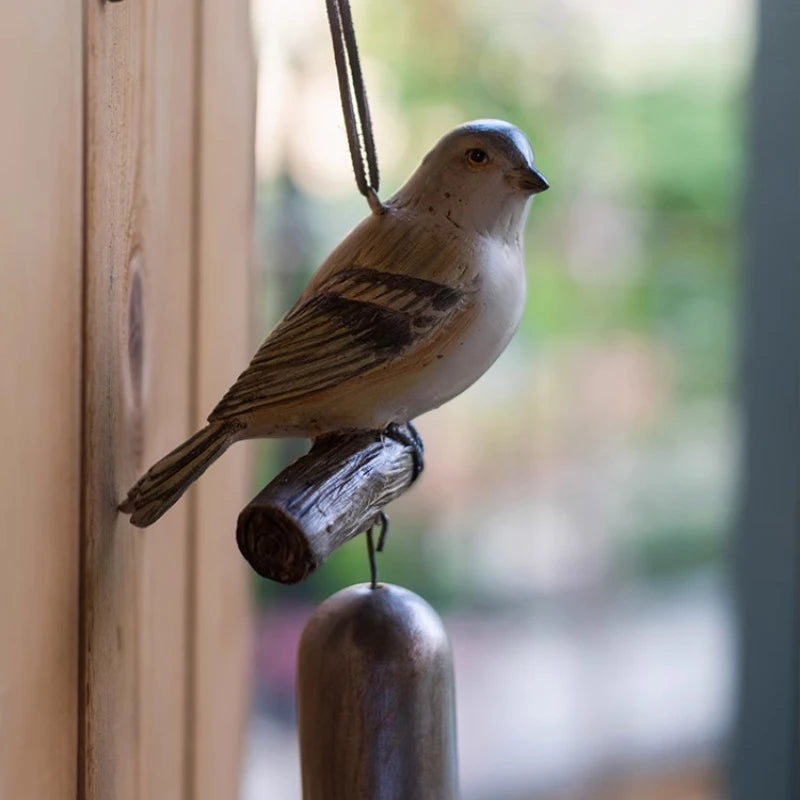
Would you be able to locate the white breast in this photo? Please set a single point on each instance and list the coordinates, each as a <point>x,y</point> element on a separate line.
<point>501,300</point>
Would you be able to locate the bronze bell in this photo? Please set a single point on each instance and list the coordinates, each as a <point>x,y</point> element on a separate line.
<point>376,708</point>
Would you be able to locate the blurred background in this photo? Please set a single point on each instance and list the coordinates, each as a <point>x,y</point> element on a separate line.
<point>572,524</point>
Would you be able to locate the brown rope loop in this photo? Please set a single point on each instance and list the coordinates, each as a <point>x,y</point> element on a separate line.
<point>357,120</point>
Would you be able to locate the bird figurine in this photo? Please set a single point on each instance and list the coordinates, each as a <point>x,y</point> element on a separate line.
<point>410,309</point>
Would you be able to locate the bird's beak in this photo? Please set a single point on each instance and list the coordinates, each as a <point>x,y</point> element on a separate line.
<point>529,179</point>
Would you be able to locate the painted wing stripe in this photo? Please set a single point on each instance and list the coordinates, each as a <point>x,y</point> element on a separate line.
<point>278,393</point>
<point>359,319</point>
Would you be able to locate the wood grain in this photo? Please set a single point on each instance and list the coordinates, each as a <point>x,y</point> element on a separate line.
<point>98,283</point>
<point>40,340</point>
<point>221,629</point>
<point>321,501</point>
<point>139,185</point>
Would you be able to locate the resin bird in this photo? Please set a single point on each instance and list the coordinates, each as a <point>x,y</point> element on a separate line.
<point>410,309</point>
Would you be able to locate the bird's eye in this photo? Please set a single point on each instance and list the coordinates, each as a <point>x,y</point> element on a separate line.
<point>477,156</point>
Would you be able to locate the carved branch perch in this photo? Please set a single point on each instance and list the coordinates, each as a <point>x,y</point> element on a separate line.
<point>321,501</point>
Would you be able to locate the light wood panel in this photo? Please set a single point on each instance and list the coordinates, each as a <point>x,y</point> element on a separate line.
<point>40,330</point>
<point>222,628</point>
<point>139,179</point>
<point>124,307</point>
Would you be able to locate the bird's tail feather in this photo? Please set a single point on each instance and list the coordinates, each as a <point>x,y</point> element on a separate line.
<point>163,484</point>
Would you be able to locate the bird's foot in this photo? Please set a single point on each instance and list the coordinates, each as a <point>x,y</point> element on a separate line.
<point>409,436</point>
<point>382,520</point>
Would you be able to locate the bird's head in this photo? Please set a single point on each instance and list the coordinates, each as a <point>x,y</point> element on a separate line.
<point>480,176</point>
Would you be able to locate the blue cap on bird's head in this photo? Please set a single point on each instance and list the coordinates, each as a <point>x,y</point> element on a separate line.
<point>506,135</point>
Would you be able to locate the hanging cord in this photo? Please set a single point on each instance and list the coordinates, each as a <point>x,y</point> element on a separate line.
<point>351,83</point>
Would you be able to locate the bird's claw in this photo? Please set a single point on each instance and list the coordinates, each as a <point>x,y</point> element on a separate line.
<point>409,436</point>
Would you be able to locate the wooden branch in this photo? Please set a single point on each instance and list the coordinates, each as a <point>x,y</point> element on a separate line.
<point>321,501</point>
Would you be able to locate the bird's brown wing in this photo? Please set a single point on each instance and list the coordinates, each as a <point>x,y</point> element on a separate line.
<point>357,320</point>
